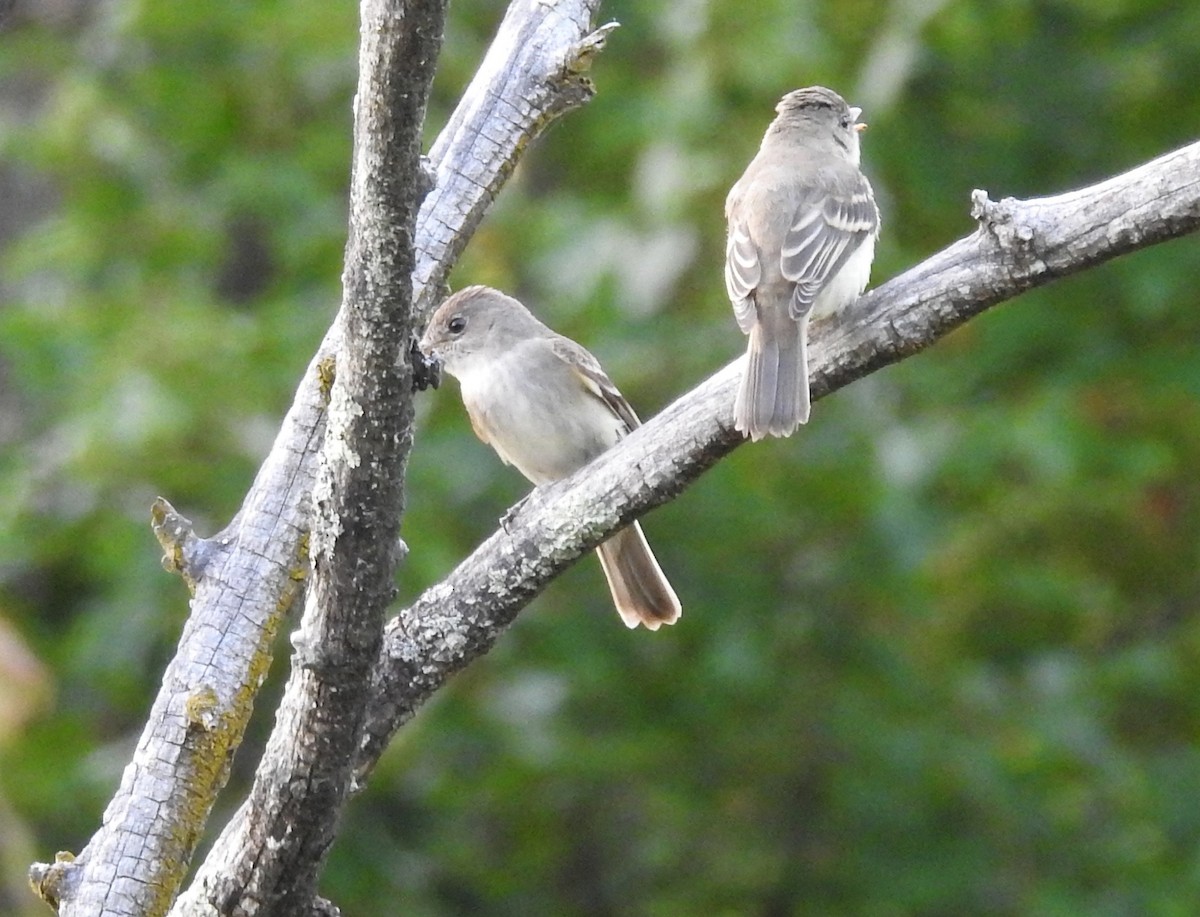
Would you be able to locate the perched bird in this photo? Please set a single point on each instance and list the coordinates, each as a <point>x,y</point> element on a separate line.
<point>802,230</point>
<point>546,406</point>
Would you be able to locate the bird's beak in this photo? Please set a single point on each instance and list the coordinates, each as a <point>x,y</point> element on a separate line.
<point>855,111</point>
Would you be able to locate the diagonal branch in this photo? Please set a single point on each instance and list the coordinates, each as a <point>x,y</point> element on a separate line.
<point>246,578</point>
<point>1018,245</point>
<point>534,72</point>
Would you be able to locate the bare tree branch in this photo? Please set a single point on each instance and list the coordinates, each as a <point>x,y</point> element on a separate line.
<point>269,856</point>
<point>245,578</point>
<point>534,72</point>
<point>1018,245</point>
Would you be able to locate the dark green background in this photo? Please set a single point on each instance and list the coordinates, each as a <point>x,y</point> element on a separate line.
<point>939,649</point>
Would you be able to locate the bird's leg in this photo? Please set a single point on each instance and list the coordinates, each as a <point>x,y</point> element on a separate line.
<point>511,513</point>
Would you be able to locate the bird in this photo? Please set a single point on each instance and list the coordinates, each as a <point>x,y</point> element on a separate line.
<point>546,407</point>
<point>802,225</point>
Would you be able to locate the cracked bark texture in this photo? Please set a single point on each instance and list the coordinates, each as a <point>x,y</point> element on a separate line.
<point>1017,245</point>
<point>244,579</point>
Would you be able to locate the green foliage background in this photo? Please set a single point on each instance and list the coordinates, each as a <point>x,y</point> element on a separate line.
<point>940,651</point>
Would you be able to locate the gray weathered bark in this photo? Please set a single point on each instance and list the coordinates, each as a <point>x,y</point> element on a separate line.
<point>244,579</point>
<point>1018,245</point>
<point>269,856</point>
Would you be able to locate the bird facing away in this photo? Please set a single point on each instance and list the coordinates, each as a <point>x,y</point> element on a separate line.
<point>548,408</point>
<point>802,229</point>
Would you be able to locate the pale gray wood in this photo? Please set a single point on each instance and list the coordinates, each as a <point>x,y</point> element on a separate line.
<point>267,859</point>
<point>246,578</point>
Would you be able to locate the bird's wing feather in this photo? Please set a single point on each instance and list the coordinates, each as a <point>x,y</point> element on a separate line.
<point>825,233</point>
<point>595,379</point>
<point>743,271</point>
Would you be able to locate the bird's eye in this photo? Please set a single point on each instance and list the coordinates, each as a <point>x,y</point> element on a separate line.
<point>845,122</point>
<point>456,325</point>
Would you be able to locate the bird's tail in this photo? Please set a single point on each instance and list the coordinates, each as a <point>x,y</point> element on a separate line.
<point>639,589</point>
<point>773,397</point>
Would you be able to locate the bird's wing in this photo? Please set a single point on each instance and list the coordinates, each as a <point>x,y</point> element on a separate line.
<point>595,379</point>
<point>826,231</point>
<point>743,271</point>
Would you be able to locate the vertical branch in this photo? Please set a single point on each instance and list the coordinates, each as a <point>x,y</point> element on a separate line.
<point>301,784</point>
<point>245,579</point>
